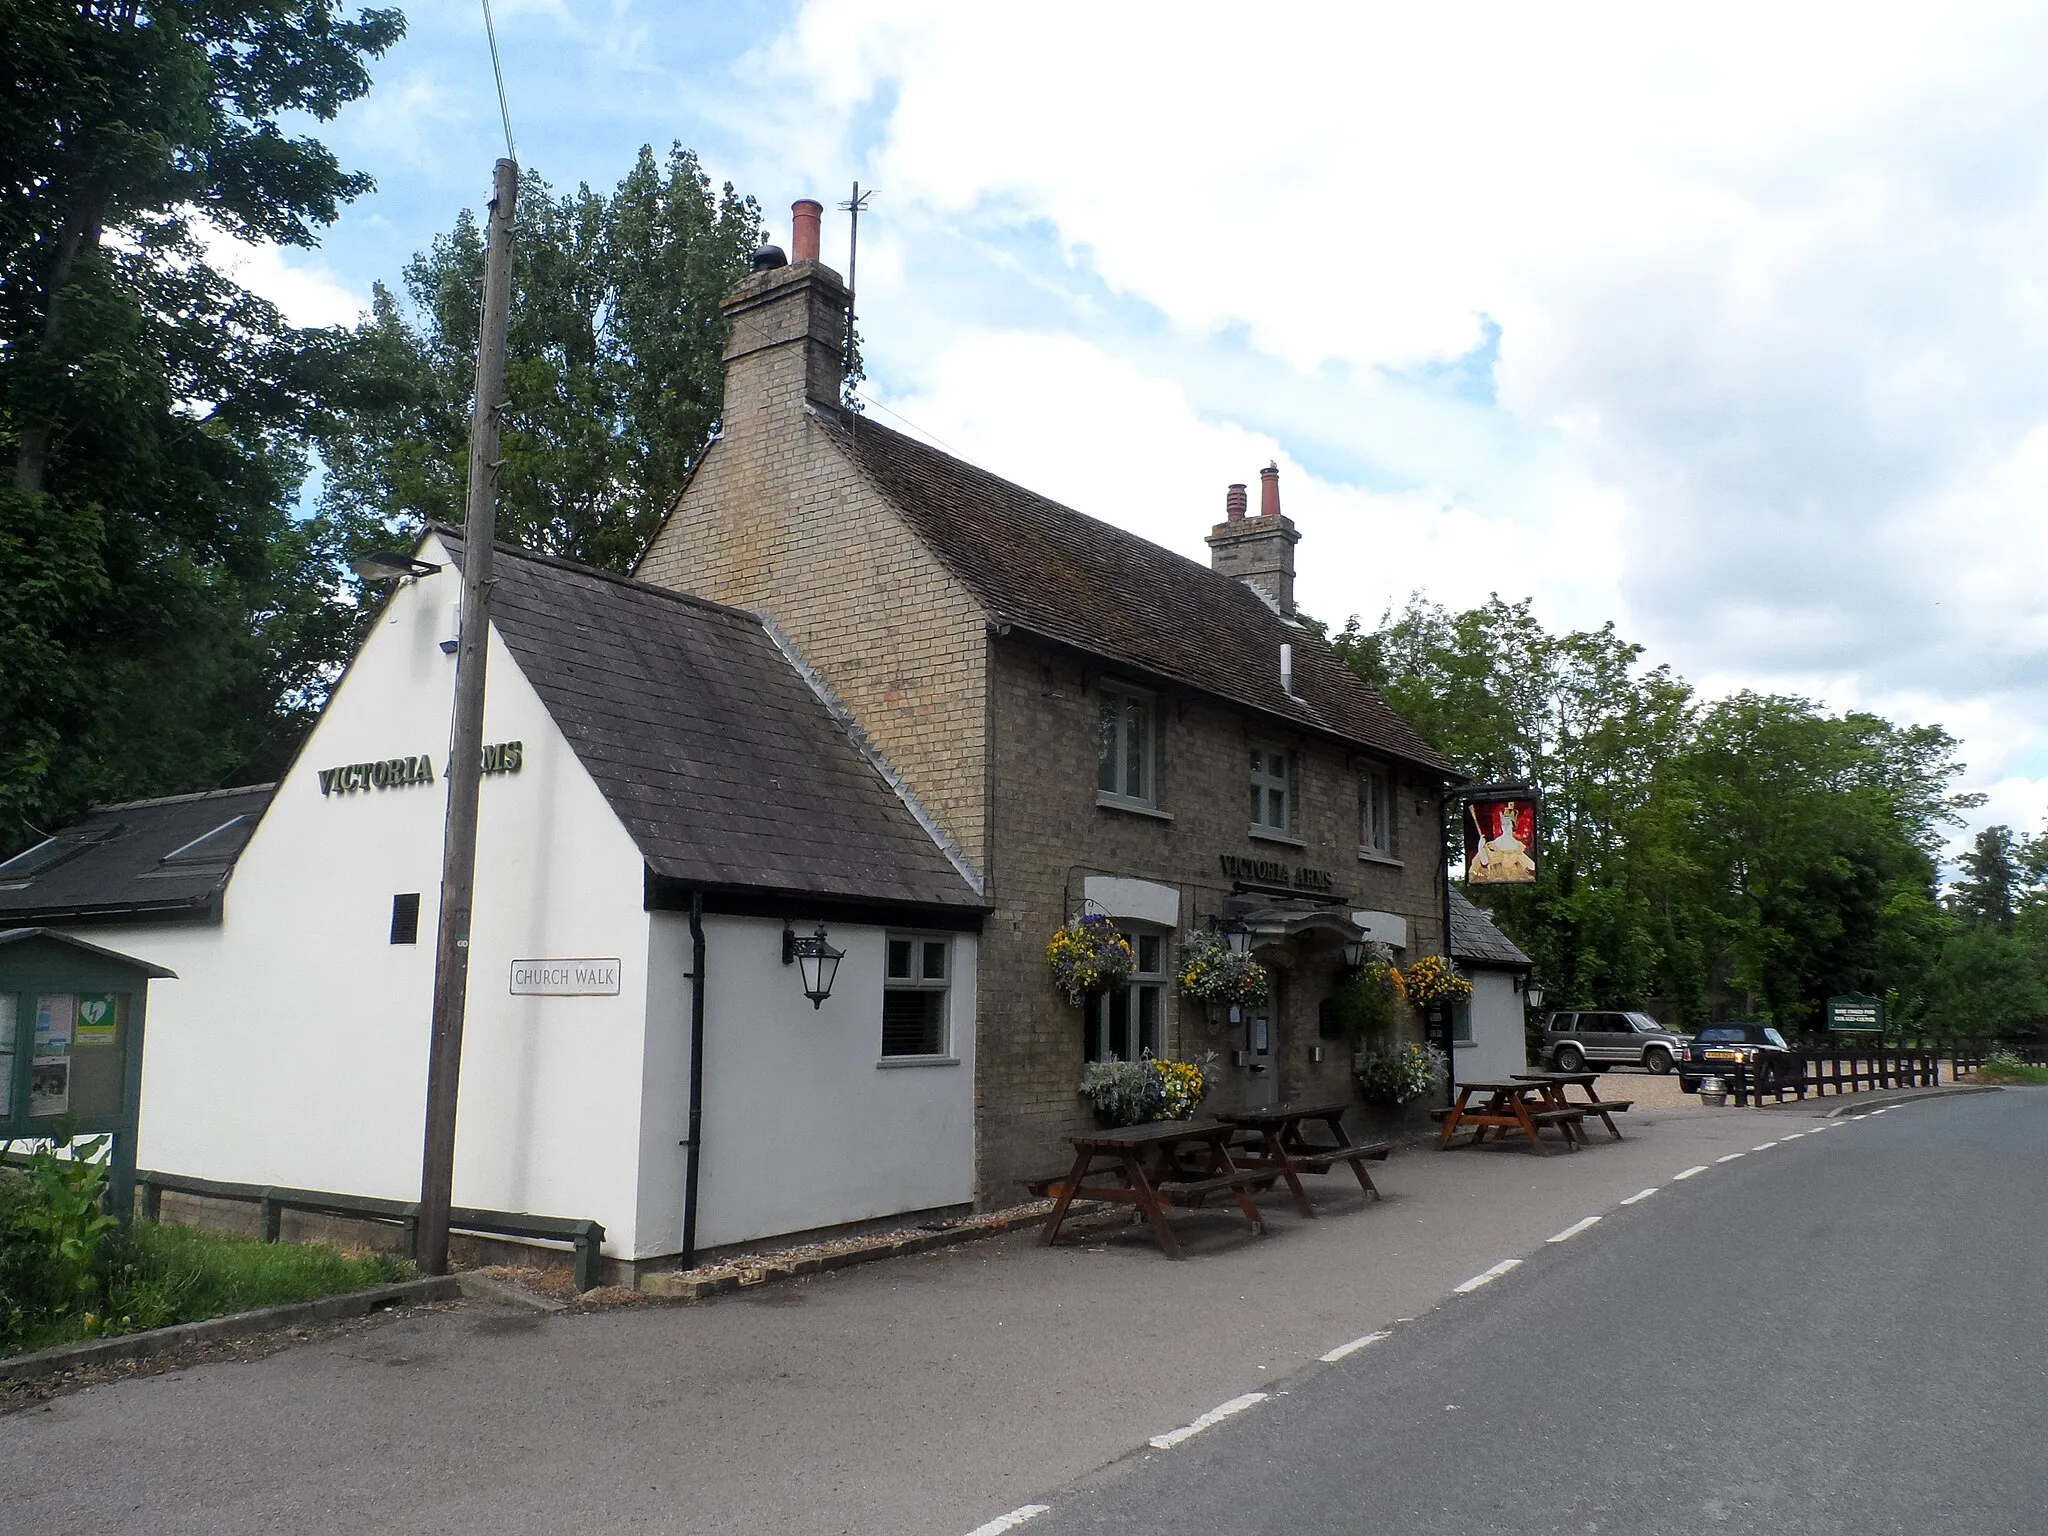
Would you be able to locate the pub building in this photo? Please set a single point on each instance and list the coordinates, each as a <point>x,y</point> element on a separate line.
<point>1094,723</point>
<point>854,684</point>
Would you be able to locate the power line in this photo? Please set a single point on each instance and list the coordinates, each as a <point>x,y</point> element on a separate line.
<point>504,111</point>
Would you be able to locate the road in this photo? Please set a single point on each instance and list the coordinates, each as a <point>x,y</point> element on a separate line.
<point>1894,1259</point>
<point>1860,1345</point>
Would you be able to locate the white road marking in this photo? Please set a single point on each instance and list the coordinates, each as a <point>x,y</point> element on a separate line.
<point>1695,1168</point>
<point>1641,1195</point>
<point>1791,1135</point>
<point>1011,1521</point>
<point>1574,1230</point>
<point>1730,1157</point>
<point>1216,1415</point>
<point>1765,1147</point>
<point>1885,1110</point>
<point>1353,1347</point>
<point>1488,1278</point>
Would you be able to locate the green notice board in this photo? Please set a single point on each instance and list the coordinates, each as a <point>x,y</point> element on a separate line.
<point>1856,1013</point>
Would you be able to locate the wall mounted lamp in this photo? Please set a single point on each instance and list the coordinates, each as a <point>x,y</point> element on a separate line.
<point>816,961</point>
<point>390,565</point>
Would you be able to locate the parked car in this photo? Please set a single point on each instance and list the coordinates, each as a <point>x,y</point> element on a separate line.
<point>1573,1040</point>
<point>1757,1046</point>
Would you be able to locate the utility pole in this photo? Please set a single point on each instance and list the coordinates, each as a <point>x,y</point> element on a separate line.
<point>465,762</point>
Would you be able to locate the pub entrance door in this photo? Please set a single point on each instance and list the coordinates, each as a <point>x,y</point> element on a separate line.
<point>1262,1047</point>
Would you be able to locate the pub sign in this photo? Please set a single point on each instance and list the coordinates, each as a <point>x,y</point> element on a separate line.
<point>1857,1013</point>
<point>1500,838</point>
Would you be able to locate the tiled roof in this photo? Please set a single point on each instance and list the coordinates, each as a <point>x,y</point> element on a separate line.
<point>165,859</point>
<point>1473,936</point>
<point>1073,579</point>
<point>724,766</point>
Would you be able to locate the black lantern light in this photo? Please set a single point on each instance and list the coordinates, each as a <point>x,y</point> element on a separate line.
<point>1356,951</point>
<point>1237,935</point>
<point>816,960</point>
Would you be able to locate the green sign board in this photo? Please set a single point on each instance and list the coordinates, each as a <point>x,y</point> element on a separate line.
<point>1856,1013</point>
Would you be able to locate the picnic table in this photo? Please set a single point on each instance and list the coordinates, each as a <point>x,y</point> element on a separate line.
<point>1280,1147</point>
<point>1168,1162</point>
<point>1592,1104</point>
<point>1520,1104</point>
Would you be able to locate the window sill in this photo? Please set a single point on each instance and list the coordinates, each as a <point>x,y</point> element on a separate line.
<point>918,1061</point>
<point>1367,856</point>
<point>1268,835</point>
<point>1107,802</point>
<point>1463,1045</point>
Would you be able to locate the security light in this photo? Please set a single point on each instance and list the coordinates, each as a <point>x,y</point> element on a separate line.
<point>389,565</point>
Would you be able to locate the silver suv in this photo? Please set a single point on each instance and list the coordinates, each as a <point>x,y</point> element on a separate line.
<point>1573,1040</point>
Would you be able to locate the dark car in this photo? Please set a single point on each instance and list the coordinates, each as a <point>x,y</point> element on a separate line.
<point>1757,1046</point>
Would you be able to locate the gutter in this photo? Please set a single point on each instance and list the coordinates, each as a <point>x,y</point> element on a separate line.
<point>694,1141</point>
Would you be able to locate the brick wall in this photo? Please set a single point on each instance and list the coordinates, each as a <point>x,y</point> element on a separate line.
<point>1049,834</point>
<point>776,518</point>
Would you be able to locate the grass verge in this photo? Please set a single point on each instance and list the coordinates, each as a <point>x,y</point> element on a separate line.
<point>158,1275</point>
<point>2020,1076</point>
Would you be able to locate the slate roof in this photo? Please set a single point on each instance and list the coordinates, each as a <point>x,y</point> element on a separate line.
<point>1474,938</point>
<point>1038,566</point>
<point>167,859</point>
<point>726,769</point>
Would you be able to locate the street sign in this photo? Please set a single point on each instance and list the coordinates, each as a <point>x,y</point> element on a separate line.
<point>1854,1012</point>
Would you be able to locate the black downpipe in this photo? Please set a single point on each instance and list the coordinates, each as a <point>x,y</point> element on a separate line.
<point>696,1078</point>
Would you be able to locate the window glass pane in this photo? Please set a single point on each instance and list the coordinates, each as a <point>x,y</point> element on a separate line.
<point>1137,743</point>
<point>1258,804</point>
<point>1258,762</point>
<point>1092,1044</point>
<point>899,959</point>
<point>1105,748</point>
<point>1120,1025</point>
<point>1461,1021</point>
<point>935,960</point>
<point>7,1035</point>
<point>1276,809</point>
<point>913,1023</point>
<point>1148,1020</point>
<point>1148,953</point>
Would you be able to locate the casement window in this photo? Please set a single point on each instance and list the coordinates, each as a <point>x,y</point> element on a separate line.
<point>1272,786</point>
<point>1376,813</point>
<point>1127,748</point>
<point>1125,1023</point>
<point>405,918</point>
<point>916,982</point>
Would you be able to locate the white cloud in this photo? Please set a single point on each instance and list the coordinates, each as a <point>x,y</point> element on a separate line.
<point>1769,381</point>
<point>308,292</point>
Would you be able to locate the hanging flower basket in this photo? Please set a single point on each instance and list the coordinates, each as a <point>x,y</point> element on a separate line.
<point>1432,980</point>
<point>1404,1073</point>
<point>1089,956</point>
<point>1134,1092</point>
<point>1211,970</point>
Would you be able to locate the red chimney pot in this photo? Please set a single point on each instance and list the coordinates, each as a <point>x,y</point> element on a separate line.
<point>804,215</point>
<point>1234,503</point>
<point>1269,491</point>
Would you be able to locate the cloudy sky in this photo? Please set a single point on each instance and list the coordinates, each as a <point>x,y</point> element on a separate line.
<point>1727,323</point>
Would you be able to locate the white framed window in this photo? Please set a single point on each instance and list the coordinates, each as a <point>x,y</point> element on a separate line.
<point>1123,1024</point>
<point>1127,747</point>
<point>917,980</point>
<point>1272,786</point>
<point>1461,1022</point>
<point>1376,812</point>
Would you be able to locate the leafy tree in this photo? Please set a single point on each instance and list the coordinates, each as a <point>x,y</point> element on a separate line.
<point>614,376</point>
<point>162,620</point>
<point>1990,893</point>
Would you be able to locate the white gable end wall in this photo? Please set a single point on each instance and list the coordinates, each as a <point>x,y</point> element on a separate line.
<point>293,1048</point>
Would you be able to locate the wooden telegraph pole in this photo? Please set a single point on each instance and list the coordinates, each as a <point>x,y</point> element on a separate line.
<point>465,762</point>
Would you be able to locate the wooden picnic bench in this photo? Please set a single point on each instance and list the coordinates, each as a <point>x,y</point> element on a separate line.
<point>1168,1162</point>
<point>1277,1145</point>
<point>1592,1104</point>
<point>1524,1105</point>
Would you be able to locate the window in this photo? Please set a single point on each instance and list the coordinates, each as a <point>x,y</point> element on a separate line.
<point>1376,813</point>
<point>1124,1024</point>
<point>7,1048</point>
<point>1272,790</point>
<point>405,918</point>
<point>915,985</point>
<point>1125,748</point>
<point>1461,1022</point>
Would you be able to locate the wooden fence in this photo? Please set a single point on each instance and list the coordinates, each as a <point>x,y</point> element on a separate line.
<point>1833,1069</point>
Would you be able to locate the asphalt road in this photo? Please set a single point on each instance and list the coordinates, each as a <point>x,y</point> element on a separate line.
<point>1860,1345</point>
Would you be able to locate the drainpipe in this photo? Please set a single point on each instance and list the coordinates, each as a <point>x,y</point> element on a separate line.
<point>1452,801</point>
<point>693,1141</point>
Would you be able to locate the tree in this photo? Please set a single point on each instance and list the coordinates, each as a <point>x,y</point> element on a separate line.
<point>614,378</point>
<point>1990,893</point>
<point>161,617</point>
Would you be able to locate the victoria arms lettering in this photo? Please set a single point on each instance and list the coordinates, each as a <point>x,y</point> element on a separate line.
<point>397,772</point>
<point>1274,872</point>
